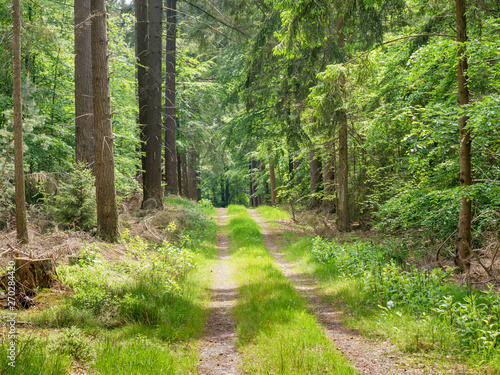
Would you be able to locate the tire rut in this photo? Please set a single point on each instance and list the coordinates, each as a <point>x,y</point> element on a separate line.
<point>368,357</point>
<point>218,351</point>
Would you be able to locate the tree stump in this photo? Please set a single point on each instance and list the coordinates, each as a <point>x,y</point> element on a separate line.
<point>34,274</point>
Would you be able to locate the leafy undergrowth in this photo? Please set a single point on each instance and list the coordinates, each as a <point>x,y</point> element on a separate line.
<point>276,334</point>
<point>137,315</point>
<point>422,311</point>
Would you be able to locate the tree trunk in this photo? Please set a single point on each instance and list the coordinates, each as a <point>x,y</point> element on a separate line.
<point>184,174</point>
<point>179,174</point>
<point>21,225</point>
<point>34,274</point>
<point>315,173</point>
<point>343,174</point>
<point>329,162</point>
<point>343,219</point>
<point>84,109</point>
<point>464,223</point>
<point>191,174</point>
<point>252,185</point>
<point>152,131</point>
<point>107,213</point>
<point>171,173</point>
<point>141,52</point>
<point>272,180</point>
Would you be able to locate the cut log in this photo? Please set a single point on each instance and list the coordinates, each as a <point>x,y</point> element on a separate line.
<point>34,274</point>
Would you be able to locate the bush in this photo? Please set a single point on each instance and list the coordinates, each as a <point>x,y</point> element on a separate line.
<point>75,206</point>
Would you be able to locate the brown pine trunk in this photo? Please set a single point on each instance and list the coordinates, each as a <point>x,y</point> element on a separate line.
<point>184,174</point>
<point>84,116</point>
<point>152,131</point>
<point>343,175</point>
<point>141,52</point>
<point>192,174</point>
<point>328,203</point>
<point>107,213</point>
<point>21,224</point>
<point>252,184</point>
<point>179,174</point>
<point>464,223</point>
<point>272,179</point>
<point>171,173</point>
<point>315,173</point>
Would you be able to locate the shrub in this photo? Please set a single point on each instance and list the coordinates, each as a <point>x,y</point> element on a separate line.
<point>75,206</point>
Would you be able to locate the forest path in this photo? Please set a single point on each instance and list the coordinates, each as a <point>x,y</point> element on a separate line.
<point>368,357</point>
<point>218,351</point>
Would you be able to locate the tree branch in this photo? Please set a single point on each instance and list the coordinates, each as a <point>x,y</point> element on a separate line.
<point>395,40</point>
<point>197,20</point>
<point>217,19</point>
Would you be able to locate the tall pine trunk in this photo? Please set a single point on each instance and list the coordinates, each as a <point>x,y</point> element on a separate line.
<point>107,213</point>
<point>315,173</point>
<point>171,170</point>
<point>84,109</point>
<point>343,175</point>
<point>192,174</point>
<point>21,224</point>
<point>272,180</point>
<point>141,52</point>
<point>464,223</point>
<point>152,131</point>
<point>329,165</point>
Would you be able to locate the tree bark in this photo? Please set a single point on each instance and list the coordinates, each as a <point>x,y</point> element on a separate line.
<point>191,174</point>
<point>84,109</point>
<point>141,52</point>
<point>329,163</point>
<point>107,213</point>
<point>184,174</point>
<point>252,183</point>
<point>21,224</point>
<point>170,122</point>
<point>315,173</point>
<point>272,179</point>
<point>152,131</point>
<point>343,174</point>
<point>464,223</point>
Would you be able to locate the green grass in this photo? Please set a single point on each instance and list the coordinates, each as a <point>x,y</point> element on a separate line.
<point>276,334</point>
<point>423,333</point>
<point>273,213</point>
<point>141,315</point>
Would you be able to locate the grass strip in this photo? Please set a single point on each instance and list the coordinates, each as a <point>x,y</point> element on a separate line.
<point>276,334</point>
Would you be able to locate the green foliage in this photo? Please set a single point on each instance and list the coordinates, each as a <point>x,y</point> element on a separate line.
<point>75,205</point>
<point>75,344</point>
<point>476,321</point>
<point>275,331</point>
<point>34,356</point>
<point>143,356</point>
